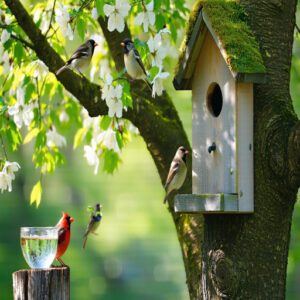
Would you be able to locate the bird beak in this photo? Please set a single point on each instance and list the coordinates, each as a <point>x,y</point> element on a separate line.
<point>186,152</point>
<point>122,44</point>
<point>96,45</point>
<point>71,220</point>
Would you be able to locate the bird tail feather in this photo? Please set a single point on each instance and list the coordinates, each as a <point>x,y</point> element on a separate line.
<point>60,70</point>
<point>84,241</point>
<point>166,198</point>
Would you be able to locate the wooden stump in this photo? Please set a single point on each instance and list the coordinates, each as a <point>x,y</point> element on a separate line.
<point>42,284</point>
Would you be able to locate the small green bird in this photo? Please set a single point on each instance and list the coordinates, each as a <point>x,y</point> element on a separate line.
<point>94,223</point>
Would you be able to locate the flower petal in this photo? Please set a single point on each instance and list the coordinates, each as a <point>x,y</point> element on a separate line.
<point>120,23</point>
<point>138,20</point>
<point>111,26</point>
<point>108,9</point>
<point>151,17</point>
<point>150,6</point>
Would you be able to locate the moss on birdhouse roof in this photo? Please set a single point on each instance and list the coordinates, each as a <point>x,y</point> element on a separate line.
<point>228,21</point>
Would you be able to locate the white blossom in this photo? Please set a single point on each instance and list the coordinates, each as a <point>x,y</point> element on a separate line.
<point>42,17</point>
<point>8,19</point>
<point>95,13</point>
<point>10,168</point>
<point>115,107</point>
<point>114,102</point>
<point>54,139</point>
<point>116,14</point>
<point>21,112</point>
<point>90,123</point>
<point>5,36</point>
<point>109,139</point>
<point>4,59</point>
<point>92,155</point>
<point>5,182</point>
<point>157,82</point>
<point>104,68</point>
<point>157,50</point>
<point>64,117</point>
<point>62,17</point>
<point>133,129</point>
<point>107,86</point>
<point>40,69</point>
<point>146,17</point>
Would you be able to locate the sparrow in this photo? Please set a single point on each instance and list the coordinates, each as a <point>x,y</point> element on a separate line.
<point>81,58</point>
<point>94,223</point>
<point>64,234</point>
<point>177,172</point>
<point>133,63</point>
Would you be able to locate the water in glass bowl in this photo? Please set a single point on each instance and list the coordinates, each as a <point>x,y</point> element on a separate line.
<point>39,248</point>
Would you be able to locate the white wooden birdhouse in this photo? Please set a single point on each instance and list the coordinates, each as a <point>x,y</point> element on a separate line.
<point>220,62</point>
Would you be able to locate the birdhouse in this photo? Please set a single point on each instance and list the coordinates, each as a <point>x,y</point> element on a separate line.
<point>220,62</point>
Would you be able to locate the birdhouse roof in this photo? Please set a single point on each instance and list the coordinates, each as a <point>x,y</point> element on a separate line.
<point>225,20</point>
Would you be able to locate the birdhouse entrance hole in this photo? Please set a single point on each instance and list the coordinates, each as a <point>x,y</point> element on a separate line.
<point>214,100</point>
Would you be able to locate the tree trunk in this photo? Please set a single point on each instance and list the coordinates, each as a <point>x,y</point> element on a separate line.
<point>245,256</point>
<point>42,284</point>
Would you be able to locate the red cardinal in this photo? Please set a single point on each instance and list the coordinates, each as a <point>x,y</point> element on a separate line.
<point>64,234</point>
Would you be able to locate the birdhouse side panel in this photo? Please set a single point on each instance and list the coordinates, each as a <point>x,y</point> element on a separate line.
<point>214,119</point>
<point>245,147</point>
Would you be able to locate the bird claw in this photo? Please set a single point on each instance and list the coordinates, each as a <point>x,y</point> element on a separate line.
<point>62,264</point>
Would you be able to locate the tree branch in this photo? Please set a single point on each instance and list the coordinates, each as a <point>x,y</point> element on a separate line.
<point>24,42</point>
<point>51,18</point>
<point>160,112</point>
<point>88,94</point>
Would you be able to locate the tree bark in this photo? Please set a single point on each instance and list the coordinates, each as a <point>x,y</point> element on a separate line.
<point>42,284</point>
<point>245,257</point>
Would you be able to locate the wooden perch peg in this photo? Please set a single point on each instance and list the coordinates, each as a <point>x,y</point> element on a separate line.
<point>42,284</point>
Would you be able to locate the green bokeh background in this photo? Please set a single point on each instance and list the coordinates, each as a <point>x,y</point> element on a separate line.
<point>136,254</point>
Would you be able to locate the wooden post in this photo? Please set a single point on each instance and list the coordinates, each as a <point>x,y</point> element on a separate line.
<point>42,284</point>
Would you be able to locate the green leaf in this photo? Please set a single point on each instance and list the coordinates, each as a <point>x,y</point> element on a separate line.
<point>18,52</point>
<point>119,138</point>
<point>13,135</point>
<point>80,28</point>
<point>160,22</point>
<point>110,161</point>
<point>99,6</point>
<point>36,194</point>
<point>40,139</point>
<point>79,137</point>
<point>157,5</point>
<point>30,135</point>
<point>173,29</point>
<point>126,96</point>
<point>153,72</point>
<point>30,87</point>
<point>59,157</point>
<point>105,122</point>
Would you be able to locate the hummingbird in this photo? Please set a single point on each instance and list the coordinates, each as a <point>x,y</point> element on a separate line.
<point>94,222</point>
